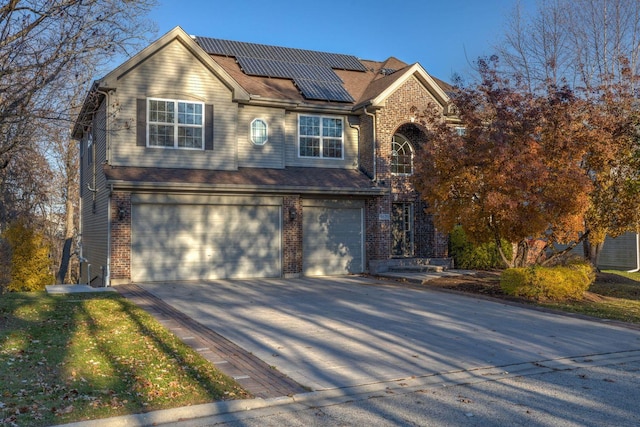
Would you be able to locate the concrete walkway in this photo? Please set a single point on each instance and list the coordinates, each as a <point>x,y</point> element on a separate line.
<point>71,289</point>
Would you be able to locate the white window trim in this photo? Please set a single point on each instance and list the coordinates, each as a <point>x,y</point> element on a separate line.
<point>266,127</point>
<point>176,125</point>
<point>461,131</point>
<point>321,137</point>
<point>412,154</point>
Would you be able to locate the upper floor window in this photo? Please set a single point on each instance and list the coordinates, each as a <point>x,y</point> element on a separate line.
<point>175,124</point>
<point>401,156</point>
<point>259,132</point>
<point>461,131</point>
<point>320,137</point>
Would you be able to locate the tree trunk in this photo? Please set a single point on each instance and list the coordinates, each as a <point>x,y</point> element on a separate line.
<point>592,252</point>
<point>68,237</point>
<point>508,263</point>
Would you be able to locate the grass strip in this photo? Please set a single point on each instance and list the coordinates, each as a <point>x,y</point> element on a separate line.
<point>73,357</point>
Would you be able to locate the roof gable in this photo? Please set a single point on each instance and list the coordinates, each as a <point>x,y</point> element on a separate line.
<point>381,89</point>
<point>176,34</point>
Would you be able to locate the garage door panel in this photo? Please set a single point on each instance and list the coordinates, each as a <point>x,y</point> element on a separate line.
<point>332,240</point>
<point>177,242</point>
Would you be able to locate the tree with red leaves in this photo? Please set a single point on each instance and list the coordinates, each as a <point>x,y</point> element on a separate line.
<point>517,171</point>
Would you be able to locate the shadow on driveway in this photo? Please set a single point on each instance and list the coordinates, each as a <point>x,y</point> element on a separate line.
<point>335,332</point>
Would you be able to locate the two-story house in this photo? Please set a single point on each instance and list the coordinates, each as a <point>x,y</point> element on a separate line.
<point>204,158</point>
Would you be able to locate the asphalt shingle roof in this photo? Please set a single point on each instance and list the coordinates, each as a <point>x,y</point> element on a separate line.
<point>314,180</point>
<point>360,83</point>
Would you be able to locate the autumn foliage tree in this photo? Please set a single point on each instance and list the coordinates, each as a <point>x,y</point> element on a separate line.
<point>591,45</point>
<point>516,173</point>
<point>50,50</point>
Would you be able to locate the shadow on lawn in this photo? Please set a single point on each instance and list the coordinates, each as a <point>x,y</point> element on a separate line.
<point>87,356</point>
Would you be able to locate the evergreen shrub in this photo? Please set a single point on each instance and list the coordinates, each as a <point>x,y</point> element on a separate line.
<point>30,265</point>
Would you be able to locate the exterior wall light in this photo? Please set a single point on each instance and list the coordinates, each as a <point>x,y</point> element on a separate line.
<point>121,212</point>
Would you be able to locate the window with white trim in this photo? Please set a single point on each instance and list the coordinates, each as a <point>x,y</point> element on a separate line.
<point>259,132</point>
<point>320,137</point>
<point>401,156</point>
<point>175,124</point>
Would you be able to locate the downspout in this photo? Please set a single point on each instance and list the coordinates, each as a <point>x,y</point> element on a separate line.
<point>635,270</point>
<point>373,127</point>
<point>107,274</point>
<point>80,251</point>
<point>357,128</point>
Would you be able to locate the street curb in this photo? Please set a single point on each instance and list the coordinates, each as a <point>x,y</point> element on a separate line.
<point>211,413</point>
<point>165,416</point>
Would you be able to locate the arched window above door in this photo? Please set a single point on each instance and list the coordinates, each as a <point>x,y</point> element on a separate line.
<point>401,156</point>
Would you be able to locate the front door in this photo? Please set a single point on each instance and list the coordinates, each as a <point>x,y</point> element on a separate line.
<point>402,229</point>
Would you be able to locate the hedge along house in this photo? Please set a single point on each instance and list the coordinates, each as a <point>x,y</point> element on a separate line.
<point>204,159</point>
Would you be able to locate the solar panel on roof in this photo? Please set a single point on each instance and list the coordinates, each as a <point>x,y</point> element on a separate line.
<point>254,50</point>
<point>323,91</point>
<point>287,70</point>
<point>311,71</point>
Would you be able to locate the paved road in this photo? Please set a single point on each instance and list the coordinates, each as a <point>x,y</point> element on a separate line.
<point>337,333</point>
<point>598,396</point>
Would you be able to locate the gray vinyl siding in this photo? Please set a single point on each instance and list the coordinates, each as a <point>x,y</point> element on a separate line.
<point>172,73</point>
<point>271,154</point>
<point>350,147</point>
<point>620,253</point>
<point>94,220</point>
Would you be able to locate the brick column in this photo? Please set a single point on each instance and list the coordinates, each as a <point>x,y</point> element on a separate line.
<point>120,238</point>
<point>292,236</point>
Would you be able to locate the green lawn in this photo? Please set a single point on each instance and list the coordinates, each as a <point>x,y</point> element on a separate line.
<point>66,358</point>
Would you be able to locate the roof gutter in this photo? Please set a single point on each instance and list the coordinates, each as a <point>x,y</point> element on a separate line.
<point>295,105</point>
<point>373,127</point>
<point>234,188</point>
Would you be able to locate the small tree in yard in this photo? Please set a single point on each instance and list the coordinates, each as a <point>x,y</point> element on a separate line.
<point>27,254</point>
<point>612,123</point>
<point>515,174</point>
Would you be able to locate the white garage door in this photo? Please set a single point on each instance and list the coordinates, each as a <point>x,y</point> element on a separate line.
<point>332,237</point>
<point>203,241</point>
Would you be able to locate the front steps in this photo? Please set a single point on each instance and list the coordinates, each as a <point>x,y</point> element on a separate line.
<point>410,265</point>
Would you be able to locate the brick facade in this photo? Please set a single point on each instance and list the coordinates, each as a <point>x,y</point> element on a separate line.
<point>292,236</point>
<point>398,116</point>
<point>120,237</point>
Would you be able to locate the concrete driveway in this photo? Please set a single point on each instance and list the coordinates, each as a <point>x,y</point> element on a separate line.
<point>338,332</point>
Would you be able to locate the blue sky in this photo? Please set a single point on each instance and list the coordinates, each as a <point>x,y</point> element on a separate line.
<point>442,35</point>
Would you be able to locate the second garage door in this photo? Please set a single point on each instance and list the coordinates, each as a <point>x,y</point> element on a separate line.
<point>332,237</point>
<point>229,239</point>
